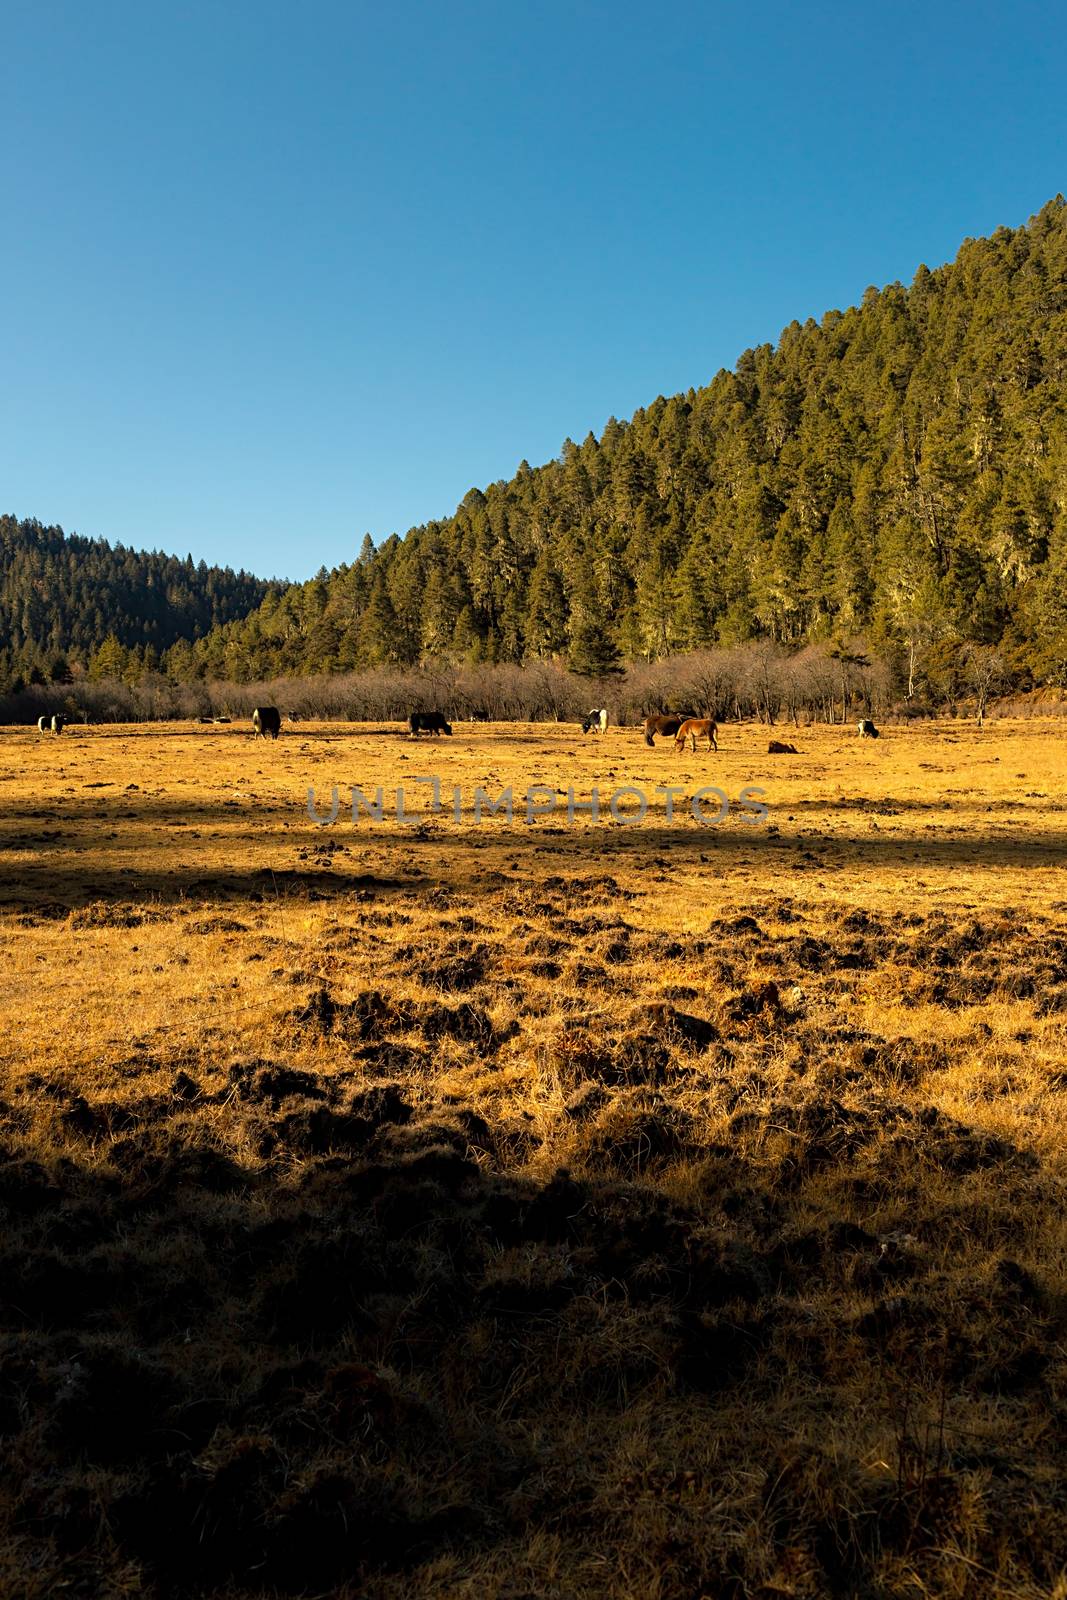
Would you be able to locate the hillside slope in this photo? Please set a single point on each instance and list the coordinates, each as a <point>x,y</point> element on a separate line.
<point>898,469</point>
<point>62,596</point>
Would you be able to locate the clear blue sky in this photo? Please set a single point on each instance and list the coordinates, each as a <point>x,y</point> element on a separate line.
<point>274,275</point>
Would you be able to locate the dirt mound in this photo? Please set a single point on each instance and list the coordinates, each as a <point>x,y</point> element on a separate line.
<point>373,1014</point>
<point>456,968</point>
<point>108,914</point>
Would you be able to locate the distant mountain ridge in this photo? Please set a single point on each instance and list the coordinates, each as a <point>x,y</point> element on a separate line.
<point>62,597</point>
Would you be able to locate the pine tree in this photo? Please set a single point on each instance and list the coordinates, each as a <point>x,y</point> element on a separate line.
<point>109,661</point>
<point>378,634</point>
<point>593,652</point>
<point>545,623</point>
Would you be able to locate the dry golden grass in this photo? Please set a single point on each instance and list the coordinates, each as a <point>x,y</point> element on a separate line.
<point>538,1209</point>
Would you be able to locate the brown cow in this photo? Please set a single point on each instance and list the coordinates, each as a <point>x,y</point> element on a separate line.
<point>697,727</point>
<point>777,748</point>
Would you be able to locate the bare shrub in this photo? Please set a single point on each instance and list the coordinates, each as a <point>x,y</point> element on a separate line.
<point>761,680</point>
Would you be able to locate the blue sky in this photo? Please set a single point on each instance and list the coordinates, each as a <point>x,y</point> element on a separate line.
<point>276,275</point>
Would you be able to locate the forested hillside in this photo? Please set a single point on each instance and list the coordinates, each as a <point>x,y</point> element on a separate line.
<point>69,604</point>
<point>898,471</point>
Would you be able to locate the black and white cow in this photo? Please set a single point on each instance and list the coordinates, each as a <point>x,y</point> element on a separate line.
<point>266,720</point>
<point>867,730</point>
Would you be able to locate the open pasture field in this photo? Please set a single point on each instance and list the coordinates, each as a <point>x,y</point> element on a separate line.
<point>533,1209</point>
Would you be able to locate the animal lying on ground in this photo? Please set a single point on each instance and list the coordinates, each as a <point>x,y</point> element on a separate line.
<point>695,728</point>
<point>867,730</point>
<point>428,722</point>
<point>266,720</point>
<point>667,725</point>
<point>777,748</point>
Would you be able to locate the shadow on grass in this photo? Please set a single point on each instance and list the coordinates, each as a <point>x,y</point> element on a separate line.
<point>388,857</point>
<point>365,1344</point>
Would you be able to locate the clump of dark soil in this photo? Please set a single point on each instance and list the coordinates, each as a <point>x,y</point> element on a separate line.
<point>110,914</point>
<point>762,1003</point>
<point>457,968</point>
<point>373,1015</point>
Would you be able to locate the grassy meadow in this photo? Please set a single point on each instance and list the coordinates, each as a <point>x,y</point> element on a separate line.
<point>535,1209</point>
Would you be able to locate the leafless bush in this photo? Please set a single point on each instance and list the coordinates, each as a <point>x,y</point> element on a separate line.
<point>154,699</point>
<point>761,681</point>
<point>838,682</point>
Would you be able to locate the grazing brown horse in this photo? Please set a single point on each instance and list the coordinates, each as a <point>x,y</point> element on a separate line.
<point>666,725</point>
<point>695,728</point>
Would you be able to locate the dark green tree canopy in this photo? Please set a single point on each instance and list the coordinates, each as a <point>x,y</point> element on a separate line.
<point>62,596</point>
